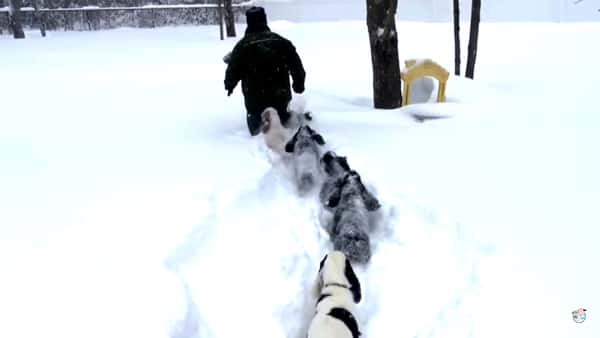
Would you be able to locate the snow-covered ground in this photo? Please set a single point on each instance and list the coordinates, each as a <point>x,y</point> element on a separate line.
<point>134,204</point>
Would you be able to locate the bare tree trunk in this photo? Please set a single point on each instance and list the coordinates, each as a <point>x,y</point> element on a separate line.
<point>473,36</point>
<point>220,9</point>
<point>41,17</point>
<point>383,38</point>
<point>229,18</point>
<point>456,37</point>
<point>15,19</point>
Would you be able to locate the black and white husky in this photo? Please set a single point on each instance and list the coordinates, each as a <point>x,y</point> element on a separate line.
<point>336,291</point>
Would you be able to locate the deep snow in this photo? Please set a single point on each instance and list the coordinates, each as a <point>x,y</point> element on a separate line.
<point>133,203</point>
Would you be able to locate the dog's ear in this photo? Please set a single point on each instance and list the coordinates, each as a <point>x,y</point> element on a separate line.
<point>353,280</point>
<point>316,288</point>
<point>318,138</point>
<point>315,136</point>
<point>289,147</point>
<point>328,156</point>
<point>322,262</point>
<point>344,163</point>
<point>371,202</point>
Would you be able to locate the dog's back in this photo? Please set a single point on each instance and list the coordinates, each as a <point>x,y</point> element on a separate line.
<point>307,169</point>
<point>327,326</point>
<point>305,145</point>
<point>350,232</point>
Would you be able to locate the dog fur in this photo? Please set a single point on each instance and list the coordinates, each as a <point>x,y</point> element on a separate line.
<point>351,226</point>
<point>334,167</point>
<point>336,291</point>
<point>305,145</point>
<point>276,135</point>
<point>298,120</point>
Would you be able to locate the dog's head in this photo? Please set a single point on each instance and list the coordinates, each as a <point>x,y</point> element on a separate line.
<point>303,136</point>
<point>334,165</point>
<point>270,119</point>
<point>351,184</point>
<point>336,269</point>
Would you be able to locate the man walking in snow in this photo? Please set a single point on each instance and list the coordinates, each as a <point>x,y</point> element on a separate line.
<point>264,61</point>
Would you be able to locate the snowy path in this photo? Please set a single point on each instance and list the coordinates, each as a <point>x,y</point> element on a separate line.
<point>261,244</point>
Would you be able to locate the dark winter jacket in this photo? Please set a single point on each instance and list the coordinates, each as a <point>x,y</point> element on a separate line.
<point>264,61</point>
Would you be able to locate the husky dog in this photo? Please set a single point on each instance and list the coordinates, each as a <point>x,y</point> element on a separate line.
<point>305,146</point>
<point>351,225</point>
<point>336,291</point>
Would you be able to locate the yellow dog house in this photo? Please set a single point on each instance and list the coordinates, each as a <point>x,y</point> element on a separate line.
<point>419,68</point>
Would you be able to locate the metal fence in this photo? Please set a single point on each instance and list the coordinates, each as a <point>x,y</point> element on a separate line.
<point>96,18</point>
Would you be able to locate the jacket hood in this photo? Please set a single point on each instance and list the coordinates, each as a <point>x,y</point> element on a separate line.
<point>256,19</point>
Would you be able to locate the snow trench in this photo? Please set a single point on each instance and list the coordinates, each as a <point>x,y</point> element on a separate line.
<point>248,265</point>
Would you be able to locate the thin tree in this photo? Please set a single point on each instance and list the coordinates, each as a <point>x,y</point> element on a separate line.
<point>15,19</point>
<point>473,36</point>
<point>220,9</point>
<point>456,11</point>
<point>40,17</point>
<point>229,18</point>
<point>383,39</point>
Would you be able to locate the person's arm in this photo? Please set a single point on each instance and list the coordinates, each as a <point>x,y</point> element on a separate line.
<point>233,74</point>
<point>296,69</point>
